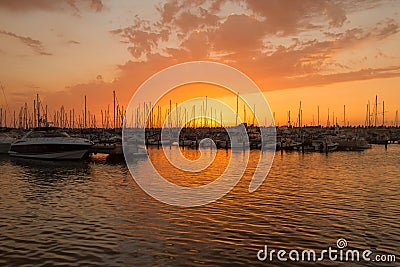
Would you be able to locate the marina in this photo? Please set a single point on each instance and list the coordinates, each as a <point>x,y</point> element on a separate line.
<point>203,133</point>
<point>109,141</point>
<point>106,137</point>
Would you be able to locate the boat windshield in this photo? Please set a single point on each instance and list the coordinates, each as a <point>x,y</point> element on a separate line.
<point>52,133</point>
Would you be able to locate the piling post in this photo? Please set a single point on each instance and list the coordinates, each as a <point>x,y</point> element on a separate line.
<point>326,147</point>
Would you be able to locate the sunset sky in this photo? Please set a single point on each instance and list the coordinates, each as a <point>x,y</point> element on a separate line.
<point>326,53</point>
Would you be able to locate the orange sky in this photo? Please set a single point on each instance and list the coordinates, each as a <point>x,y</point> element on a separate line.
<point>326,53</point>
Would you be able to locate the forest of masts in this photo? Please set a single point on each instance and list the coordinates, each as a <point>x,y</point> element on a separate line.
<point>374,117</point>
<point>38,115</point>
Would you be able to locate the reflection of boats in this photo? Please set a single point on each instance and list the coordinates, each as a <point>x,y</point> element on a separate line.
<point>5,143</point>
<point>50,143</point>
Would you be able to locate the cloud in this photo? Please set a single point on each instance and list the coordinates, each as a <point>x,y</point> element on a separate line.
<point>239,32</point>
<point>187,21</point>
<point>386,28</point>
<point>73,42</point>
<point>76,6</point>
<point>247,31</point>
<point>142,37</point>
<point>168,10</point>
<point>97,5</point>
<point>35,45</point>
<point>288,17</point>
<point>197,46</point>
<point>359,75</point>
<point>336,14</point>
<point>241,40</point>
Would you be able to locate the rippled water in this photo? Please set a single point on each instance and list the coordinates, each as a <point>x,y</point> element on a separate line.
<point>93,213</point>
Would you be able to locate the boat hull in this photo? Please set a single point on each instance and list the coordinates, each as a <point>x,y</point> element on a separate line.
<point>64,155</point>
<point>4,148</point>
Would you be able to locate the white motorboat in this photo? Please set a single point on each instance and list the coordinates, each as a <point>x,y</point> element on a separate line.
<point>50,143</point>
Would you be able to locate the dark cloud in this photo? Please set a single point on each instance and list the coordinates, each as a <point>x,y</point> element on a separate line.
<point>97,5</point>
<point>288,17</point>
<point>239,32</point>
<point>230,33</point>
<point>51,5</point>
<point>35,45</point>
<point>197,46</point>
<point>73,42</point>
<point>142,37</point>
<point>168,10</point>
<point>187,21</point>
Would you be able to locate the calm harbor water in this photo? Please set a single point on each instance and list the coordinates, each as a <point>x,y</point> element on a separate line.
<point>92,213</point>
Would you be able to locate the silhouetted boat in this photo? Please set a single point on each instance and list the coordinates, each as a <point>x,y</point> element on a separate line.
<point>353,144</point>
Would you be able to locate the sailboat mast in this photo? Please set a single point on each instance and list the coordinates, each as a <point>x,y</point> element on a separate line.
<point>244,113</point>
<point>328,123</point>
<point>254,114</point>
<point>205,114</point>
<point>299,118</point>
<point>85,114</point>
<point>38,109</point>
<point>237,108</point>
<point>376,110</point>
<point>177,115</point>
<point>114,109</point>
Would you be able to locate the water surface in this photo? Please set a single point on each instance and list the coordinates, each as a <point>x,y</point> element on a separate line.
<point>93,213</point>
